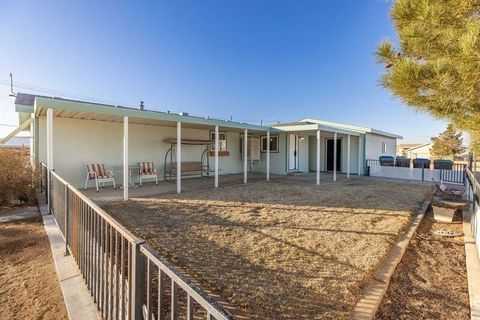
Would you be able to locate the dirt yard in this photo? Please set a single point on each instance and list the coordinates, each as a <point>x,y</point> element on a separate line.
<point>278,250</point>
<point>431,280</point>
<point>29,287</point>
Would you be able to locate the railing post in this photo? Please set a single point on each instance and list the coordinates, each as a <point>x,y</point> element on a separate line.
<point>138,281</point>
<point>67,232</point>
<point>49,191</point>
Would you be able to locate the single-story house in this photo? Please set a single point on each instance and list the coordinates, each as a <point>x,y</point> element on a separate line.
<point>68,134</point>
<point>415,150</point>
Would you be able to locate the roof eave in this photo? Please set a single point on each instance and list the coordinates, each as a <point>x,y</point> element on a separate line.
<point>42,102</point>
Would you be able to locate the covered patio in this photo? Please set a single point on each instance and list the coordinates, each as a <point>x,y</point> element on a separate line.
<point>141,132</point>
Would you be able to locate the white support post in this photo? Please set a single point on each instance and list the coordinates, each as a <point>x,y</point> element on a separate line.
<point>216,156</point>
<point>126,182</point>
<point>268,155</point>
<point>360,155</point>
<point>348,156</point>
<point>245,155</point>
<point>49,154</point>
<point>335,156</point>
<point>179,157</point>
<point>318,157</point>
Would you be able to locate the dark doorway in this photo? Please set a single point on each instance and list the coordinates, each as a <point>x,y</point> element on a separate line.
<point>330,154</point>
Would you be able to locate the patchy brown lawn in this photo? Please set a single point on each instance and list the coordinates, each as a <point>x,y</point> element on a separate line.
<point>29,287</point>
<point>431,280</point>
<point>278,250</point>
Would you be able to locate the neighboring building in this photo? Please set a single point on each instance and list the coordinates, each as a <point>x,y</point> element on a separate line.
<point>87,132</point>
<point>415,150</point>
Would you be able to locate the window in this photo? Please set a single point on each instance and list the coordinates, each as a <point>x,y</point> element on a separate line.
<point>384,147</point>
<point>222,140</point>
<point>273,144</point>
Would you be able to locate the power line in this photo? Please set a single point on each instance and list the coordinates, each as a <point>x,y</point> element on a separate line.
<point>72,95</point>
<point>64,93</point>
<point>8,125</point>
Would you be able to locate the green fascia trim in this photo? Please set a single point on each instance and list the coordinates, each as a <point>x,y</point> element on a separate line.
<point>337,130</point>
<point>315,127</point>
<point>143,114</point>
<point>386,134</point>
<point>353,128</point>
<point>298,128</point>
<point>23,108</point>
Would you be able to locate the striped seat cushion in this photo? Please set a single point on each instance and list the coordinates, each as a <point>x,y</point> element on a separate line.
<point>146,167</point>
<point>98,168</point>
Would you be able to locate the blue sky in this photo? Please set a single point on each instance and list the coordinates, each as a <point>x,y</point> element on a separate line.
<point>251,60</point>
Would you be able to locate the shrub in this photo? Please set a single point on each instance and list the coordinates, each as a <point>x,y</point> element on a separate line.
<point>16,176</point>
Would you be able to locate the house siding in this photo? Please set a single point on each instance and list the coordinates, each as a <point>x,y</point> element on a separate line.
<point>277,159</point>
<point>373,146</point>
<point>78,142</point>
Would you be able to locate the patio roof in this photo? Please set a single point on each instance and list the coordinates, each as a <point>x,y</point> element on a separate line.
<point>67,108</point>
<point>313,127</point>
<point>314,124</point>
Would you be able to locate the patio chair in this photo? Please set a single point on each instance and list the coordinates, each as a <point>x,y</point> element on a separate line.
<point>147,171</point>
<point>98,173</point>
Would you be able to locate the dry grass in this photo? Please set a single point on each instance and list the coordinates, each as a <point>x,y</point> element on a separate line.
<point>278,250</point>
<point>29,287</point>
<point>431,280</point>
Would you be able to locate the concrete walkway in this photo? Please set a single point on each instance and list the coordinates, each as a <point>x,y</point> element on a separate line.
<point>473,267</point>
<point>77,297</point>
<point>19,214</point>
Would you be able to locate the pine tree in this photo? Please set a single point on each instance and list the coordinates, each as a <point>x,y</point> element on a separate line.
<point>448,144</point>
<point>437,67</point>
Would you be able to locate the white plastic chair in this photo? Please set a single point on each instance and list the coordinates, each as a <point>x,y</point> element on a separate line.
<point>147,171</point>
<point>98,173</point>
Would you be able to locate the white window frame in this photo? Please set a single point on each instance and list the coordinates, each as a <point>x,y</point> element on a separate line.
<point>222,143</point>
<point>275,136</point>
<point>384,147</point>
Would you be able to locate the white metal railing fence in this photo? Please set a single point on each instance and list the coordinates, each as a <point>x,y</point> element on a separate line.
<point>454,175</point>
<point>123,274</point>
<point>472,190</point>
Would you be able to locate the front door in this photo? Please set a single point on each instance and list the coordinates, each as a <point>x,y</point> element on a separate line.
<point>330,154</point>
<point>293,153</point>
